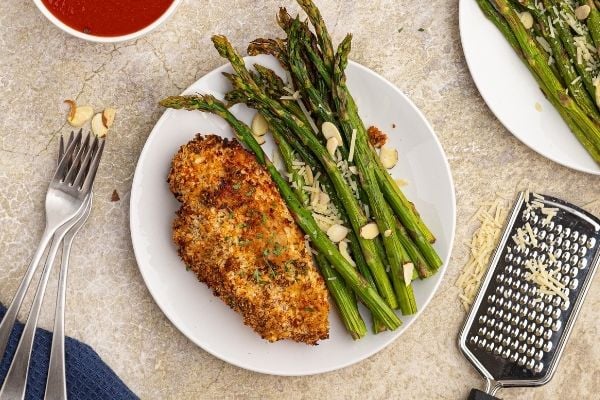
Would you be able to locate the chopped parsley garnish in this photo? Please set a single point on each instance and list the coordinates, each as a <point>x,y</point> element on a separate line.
<point>237,186</point>
<point>272,273</point>
<point>278,249</point>
<point>257,277</point>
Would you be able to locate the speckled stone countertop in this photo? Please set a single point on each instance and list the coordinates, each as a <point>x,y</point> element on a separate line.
<point>109,306</point>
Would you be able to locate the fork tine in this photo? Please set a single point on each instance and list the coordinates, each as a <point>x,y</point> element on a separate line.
<point>61,148</point>
<point>85,162</point>
<point>64,162</point>
<point>76,165</point>
<point>91,175</point>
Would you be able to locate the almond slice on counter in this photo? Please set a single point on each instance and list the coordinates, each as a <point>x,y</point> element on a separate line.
<point>108,117</point>
<point>98,127</point>
<point>78,115</point>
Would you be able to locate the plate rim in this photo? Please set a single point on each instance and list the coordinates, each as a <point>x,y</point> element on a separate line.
<point>442,271</point>
<point>494,111</point>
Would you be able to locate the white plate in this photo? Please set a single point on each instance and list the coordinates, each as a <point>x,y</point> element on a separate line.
<point>511,92</point>
<point>205,319</point>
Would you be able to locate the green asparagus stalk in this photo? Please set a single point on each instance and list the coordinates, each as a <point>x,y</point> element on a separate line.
<point>348,115</point>
<point>304,133</point>
<point>563,63</point>
<point>353,243</point>
<point>549,83</point>
<point>566,38</point>
<point>342,296</point>
<point>302,216</point>
<point>593,22</point>
<point>384,218</point>
<point>322,34</point>
<point>274,47</point>
<point>498,20</point>
<point>399,203</point>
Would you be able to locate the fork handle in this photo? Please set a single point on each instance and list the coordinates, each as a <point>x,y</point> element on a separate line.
<point>56,385</point>
<point>16,379</point>
<point>8,322</point>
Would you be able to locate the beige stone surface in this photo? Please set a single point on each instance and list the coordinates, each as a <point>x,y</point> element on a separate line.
<point>109,306</point>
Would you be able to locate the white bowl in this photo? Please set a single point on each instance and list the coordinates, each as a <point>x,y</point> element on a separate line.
<point>107,39</point>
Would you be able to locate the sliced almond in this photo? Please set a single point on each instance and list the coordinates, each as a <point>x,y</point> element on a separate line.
<point>401,182</point>
<point>332,145</point>
<point>369,231</point>
<point>337,233</point>
<point>98,126</point>
<point>78,115</point>
<point>343,246</point>
<point>582,12</point>
<point>260,139</point>
<point>72,108</point>
<point>408,270</point>
<point>387,233</point>
<point>526,20</point>
<point>330,130</point>
<point>108,116</point>
<point>259,125</point>
<point>388,157</point>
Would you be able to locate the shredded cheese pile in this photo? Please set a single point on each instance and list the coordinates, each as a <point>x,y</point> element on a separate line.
<point>491,216</point>
<point>544,279</point>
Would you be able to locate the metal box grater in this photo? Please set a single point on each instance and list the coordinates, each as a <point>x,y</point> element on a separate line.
<point>514,334</point>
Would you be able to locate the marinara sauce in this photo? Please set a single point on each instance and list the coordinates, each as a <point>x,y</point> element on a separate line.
<point>107,17</point>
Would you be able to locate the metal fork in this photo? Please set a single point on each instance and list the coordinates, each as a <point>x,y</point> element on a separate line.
<point>66,201</point>
<point>56,383</point>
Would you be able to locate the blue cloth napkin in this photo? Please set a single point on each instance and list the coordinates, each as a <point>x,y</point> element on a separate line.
<point>88,377</point>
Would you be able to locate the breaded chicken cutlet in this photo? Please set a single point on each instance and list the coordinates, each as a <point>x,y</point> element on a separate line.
<point>235,232</point>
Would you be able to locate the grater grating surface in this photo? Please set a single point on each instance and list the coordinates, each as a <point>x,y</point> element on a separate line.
<point>516,330</point>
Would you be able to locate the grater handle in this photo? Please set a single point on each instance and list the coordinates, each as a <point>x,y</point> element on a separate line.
<point>477,394</point>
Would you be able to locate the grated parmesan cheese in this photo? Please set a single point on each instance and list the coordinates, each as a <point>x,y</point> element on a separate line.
<point>352,145</point>
<point>547,283</point>
<point>491,217</point>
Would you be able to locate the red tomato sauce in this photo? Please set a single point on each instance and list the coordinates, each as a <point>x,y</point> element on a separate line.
<point>107,17</point>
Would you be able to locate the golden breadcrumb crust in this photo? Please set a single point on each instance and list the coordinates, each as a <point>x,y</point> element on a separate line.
<point>236,234</point>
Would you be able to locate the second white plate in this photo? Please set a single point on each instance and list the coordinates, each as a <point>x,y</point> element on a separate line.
<point>205,319</point>
<point>513,95</point>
